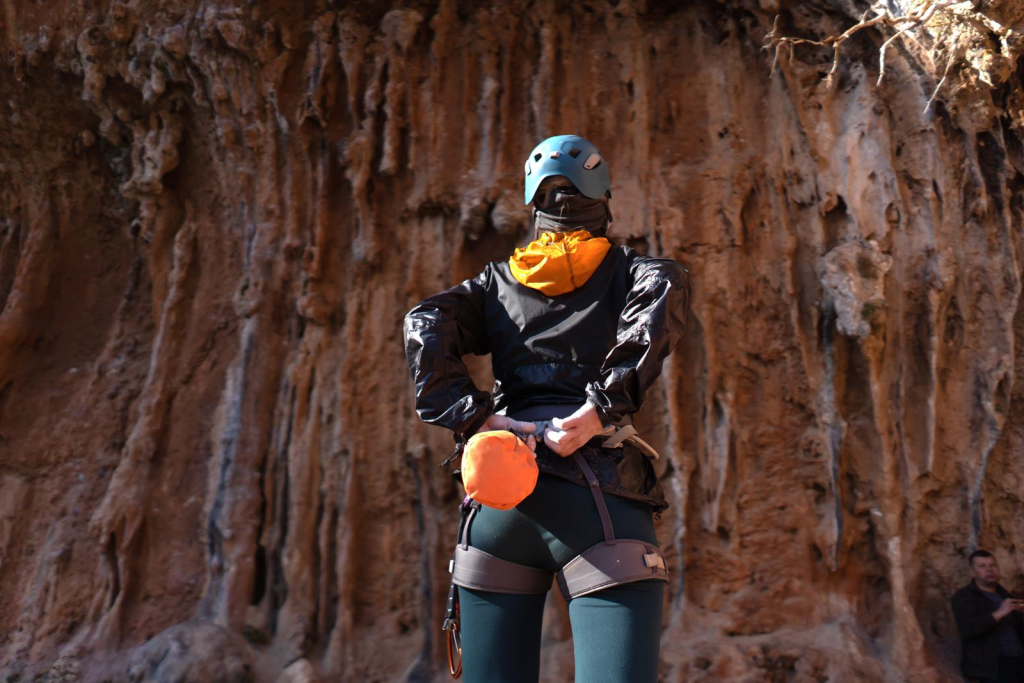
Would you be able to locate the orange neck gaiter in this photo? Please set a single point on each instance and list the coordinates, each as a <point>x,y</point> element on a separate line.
<point>559,262</point>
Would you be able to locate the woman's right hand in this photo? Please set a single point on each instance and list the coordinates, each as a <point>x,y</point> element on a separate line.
<point>500,422</point>
<point>571,433</point>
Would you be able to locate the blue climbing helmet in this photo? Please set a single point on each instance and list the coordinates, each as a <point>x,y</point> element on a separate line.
<point>571,156</point>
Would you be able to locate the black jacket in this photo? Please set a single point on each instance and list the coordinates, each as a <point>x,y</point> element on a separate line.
<point>978,634</point>
<point>604,341</point>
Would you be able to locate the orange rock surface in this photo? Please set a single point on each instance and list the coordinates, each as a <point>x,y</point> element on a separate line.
<point>213,217</point>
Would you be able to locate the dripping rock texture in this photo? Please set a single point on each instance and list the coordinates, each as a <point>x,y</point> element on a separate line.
<point>213,217</point>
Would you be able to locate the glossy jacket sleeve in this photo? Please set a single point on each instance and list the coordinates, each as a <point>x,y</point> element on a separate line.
<point>650,326</point>
<point>439,331</point>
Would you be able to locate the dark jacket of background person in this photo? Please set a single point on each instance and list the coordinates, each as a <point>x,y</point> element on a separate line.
<point>979,635</point>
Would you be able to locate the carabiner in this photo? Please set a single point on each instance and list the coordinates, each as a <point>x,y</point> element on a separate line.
<point>453,644</point>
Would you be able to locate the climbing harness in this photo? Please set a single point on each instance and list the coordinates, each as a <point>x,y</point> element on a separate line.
<point>611,562</point>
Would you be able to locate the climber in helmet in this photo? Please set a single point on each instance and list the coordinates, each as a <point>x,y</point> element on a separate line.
<point>561,486</point>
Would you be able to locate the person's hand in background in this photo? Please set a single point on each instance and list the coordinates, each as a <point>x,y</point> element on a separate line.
<point>1008,605</point>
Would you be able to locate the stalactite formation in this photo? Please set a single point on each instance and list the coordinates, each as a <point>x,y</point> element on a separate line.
<point>213,217</point>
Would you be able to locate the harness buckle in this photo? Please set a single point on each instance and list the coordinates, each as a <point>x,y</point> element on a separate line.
<point>655,560</point>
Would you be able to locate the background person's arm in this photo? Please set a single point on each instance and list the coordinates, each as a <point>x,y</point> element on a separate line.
<point>650,326</point>
<point>972,623</point>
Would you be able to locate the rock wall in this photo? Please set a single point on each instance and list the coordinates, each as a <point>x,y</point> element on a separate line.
<point>214,215</point>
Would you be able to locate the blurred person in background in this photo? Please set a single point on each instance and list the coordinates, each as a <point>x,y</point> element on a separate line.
<point>991,625</point>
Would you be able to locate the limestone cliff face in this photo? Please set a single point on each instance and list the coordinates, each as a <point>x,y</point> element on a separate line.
<point>213,217</point>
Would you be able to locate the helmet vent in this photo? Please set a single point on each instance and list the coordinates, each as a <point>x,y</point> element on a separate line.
<point>575,152</point>
<point>537,156</point>
<point>528,169</point>
<point>592,162</point>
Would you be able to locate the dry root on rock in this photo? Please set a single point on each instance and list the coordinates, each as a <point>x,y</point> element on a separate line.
<point>956,23</point>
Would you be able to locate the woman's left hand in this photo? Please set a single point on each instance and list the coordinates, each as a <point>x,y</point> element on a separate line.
<point>570,433</point>
<point>500,422</point>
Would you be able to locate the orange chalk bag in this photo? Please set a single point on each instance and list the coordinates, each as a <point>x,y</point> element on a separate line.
<point>498,469</point>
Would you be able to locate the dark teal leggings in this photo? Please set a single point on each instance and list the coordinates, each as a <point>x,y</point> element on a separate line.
<point>616,632</point>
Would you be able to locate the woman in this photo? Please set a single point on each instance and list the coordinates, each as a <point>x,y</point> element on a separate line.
<point>577,329</point>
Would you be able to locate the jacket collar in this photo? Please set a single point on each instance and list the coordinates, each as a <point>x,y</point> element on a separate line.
<point>999,589</point>
<point>559,262</point>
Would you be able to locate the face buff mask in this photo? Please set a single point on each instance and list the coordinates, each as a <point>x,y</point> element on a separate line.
<point>560,207</point>
<point>559,262</point>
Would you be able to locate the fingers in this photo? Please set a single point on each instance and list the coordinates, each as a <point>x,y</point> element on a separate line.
<point>563,443</point>
<point>549,441</point>
<point>490,424</point>
<point>500,422</point>
<point>567,423</point>
<point>584,418</point>
<point>556,437</point>
<point>531,443</point>
<point>519,426</point>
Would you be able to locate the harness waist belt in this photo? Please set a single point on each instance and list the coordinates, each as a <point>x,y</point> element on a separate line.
<point>613,436</point>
